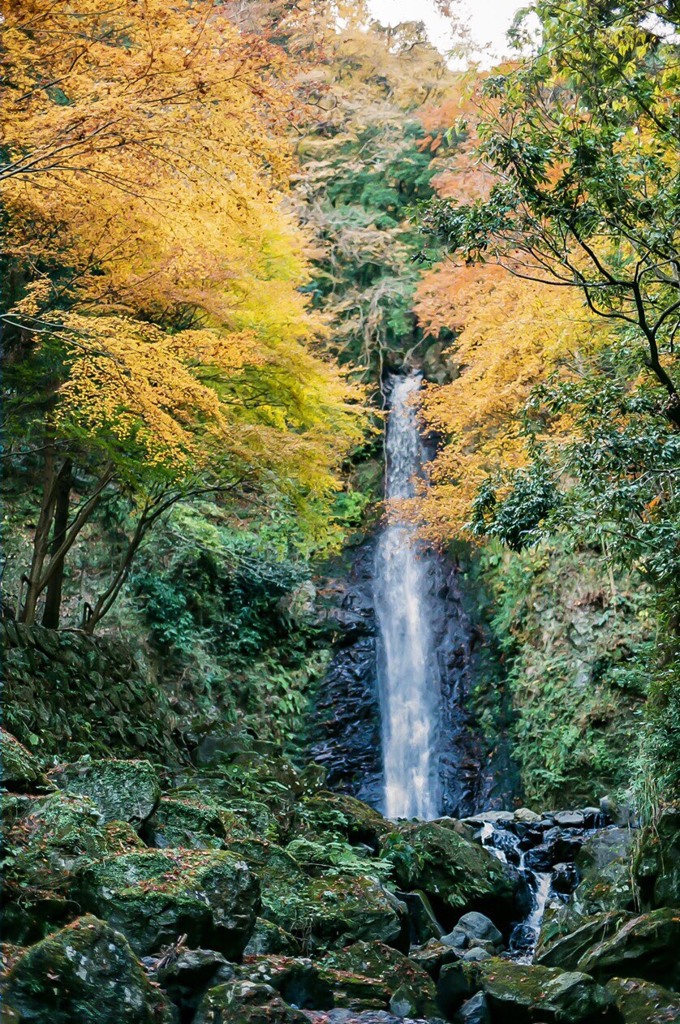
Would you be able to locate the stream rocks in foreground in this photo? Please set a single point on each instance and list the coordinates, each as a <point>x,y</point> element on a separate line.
<point>244,892</point>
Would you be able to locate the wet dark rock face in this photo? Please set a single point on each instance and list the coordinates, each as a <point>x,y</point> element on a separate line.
<point>466,782</point>
<point>348,731</point>
<point>347,712</point>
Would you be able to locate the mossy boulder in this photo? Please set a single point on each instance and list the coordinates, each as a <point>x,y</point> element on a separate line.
<point>283,883</point>
<point>317,985</point>
<point>20,771</point>
<point>246,1002</point>
<point>456,875</point>
<point>55,835</point>
<point>183,823</point>
<point>121,837</point>
<point>565,951</point>
<point>342,815</point>
<point>408,985</point>
<point>432,956</point>
<point>268,938</point>
<point>325,912</point>
<point>645,947</point>
<point>122,790</point>
<point>605,889</point>
<point>656,865</point>
<point>187,974</point>
<point>154,896</point>
<point>46,848</point>
<point>265,788</point>
<point>87,973</point>
<point>243,816</point>
<point>349,909</point>
<point>640,1002</point>
<point>525,992</point>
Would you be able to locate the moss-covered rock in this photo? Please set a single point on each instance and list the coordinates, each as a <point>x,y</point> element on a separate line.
<point>56,833</point>
<point>432,956</point>
<point>297,979</point>
<point>244,817</point>
<point>86,973</point>
<point>19,769</point>
<point>351,909</point>
<point>121,837</point>
<point>122,790</point>
<point>183,823</point>
<point>322,985</point>
<point>456,875</point>
<point>604,892</point>
<point>245,1002</point>
<point>527,992</point>
<point>285,900</point>
<point>656,865</point>
<point>566,950</point>
<point>327,911</point>
<point>268,938</point>
<point>153,897</point>
<point>408,985</point>
<point>640,1002</point>
<point>645,947</point>
<point>46,847</point>
<point>186,975</point>
<point>264,789</point>
<point>339,814</point>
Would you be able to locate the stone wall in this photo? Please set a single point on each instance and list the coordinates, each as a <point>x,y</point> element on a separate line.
<point>67,694</point>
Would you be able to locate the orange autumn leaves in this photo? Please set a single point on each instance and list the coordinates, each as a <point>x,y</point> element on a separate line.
<point>512,334</point>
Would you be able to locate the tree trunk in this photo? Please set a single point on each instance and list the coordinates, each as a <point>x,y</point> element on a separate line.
<point>41,538</point>
<point>52,608</point>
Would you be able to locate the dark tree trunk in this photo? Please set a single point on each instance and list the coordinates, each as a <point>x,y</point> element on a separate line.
<point>41,538</point>
<point>52,608</point>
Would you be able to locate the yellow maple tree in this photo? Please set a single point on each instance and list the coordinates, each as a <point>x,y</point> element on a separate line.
<point>511,334</point>
<point>146,164</point>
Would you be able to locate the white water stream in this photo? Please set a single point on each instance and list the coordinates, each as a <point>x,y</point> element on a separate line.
<point>405,593</point>
<point>408,673</point>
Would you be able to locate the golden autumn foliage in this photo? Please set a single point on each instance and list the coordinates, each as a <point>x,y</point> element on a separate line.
<point>148,160</point>
<point>512,334</point>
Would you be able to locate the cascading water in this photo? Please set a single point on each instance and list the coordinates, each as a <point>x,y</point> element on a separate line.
<point>408,673</point>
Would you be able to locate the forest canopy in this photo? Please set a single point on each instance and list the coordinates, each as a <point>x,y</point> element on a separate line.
<point>226,223</point>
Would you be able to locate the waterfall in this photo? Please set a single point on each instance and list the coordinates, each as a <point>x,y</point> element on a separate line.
<point>408,672</point>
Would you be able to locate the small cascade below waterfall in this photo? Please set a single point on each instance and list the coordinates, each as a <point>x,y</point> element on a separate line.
<point>543,849</point>
<point>409,679</point>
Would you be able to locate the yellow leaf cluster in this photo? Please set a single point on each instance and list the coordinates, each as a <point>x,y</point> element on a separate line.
<point>512,334</point>
<point>148,161</point>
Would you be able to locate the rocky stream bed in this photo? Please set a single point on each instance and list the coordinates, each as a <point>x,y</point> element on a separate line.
<point>243,891</point>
